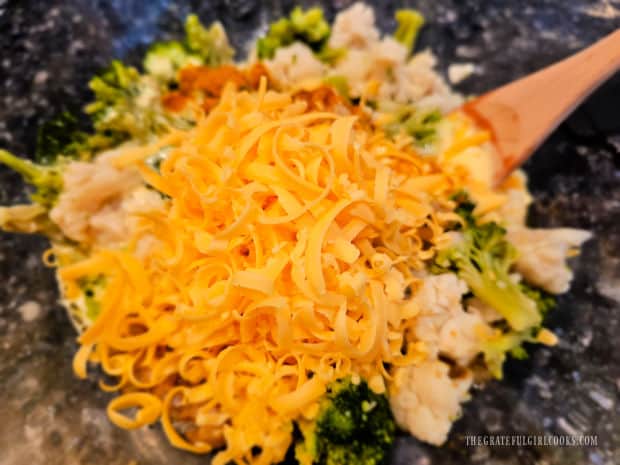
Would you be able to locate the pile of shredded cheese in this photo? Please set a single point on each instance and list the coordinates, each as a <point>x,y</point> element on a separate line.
<point>279,264</point>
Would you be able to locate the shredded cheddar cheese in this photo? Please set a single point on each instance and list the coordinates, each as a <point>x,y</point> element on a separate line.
<point>279,264</point>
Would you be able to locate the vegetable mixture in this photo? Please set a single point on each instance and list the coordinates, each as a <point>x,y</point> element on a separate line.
<point>304,251</point>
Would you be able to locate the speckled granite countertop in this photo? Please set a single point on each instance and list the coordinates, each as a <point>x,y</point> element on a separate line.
<point>49,49</point>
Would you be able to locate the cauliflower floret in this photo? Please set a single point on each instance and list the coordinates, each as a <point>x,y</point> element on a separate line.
<point>89,208</point>
<point>420,82</point>
<point>440,294</point>
<point>420,74</point>
<point>356,68</point>
<point>107,225</point>
<point>442,324</point>
<point>438,300</point>
<point>379,62</point>
<point>458,72</point>
<point>99,202</point>
<point>294,64</point>
<point>372,60</point>
<point>515,201</point>
<point>514,211</point>
<point>459,337</point>
<point>425,400</point>
<point>543,253</point>
<point>354,28</point>
<point>389,52</point>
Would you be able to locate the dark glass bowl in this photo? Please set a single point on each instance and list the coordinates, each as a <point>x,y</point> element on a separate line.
<point>48,50</point>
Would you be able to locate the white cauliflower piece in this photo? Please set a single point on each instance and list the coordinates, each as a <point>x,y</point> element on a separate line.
<point>440,294</point>
<point>459,337</point>
<point>107,225</point>
<point>389,52</point>
<point>420,74</point>
<point>99,202</point>
<point>380,62</point>
<point>425,400</point>
<point>294,64</point>
<point>420,82</point>
<point>543,253</point>
<point>381,65</point>
<point>458,72</point>
<point>355,67</point>
<point>89,207</point>
<point>514,211</point>
<point>354,28</point>
<point>442,324</point>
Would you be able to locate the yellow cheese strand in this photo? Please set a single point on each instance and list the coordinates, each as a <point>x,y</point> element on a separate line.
<point>149,409</point>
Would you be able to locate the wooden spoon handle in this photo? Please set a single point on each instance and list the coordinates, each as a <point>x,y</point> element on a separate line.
<point>523,113</point>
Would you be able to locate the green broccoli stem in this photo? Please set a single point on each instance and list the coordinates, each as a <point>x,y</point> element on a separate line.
<point>29,171</point>
<point>46,180</point>
<point>409,24</point>
<point>493,286</point>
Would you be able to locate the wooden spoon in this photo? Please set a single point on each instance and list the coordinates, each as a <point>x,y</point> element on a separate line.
<point>522,114</point>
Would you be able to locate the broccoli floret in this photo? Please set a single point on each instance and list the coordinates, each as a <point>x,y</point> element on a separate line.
<point>308,27</point>
<point>354,426</point>
<point>211,44</point>
<point>61,136</point>
<point>202,46</point>
<point>47,180</point>
<point>266,46</point>
<point>483,259</point>
<point>421,125</point>
<point>310,24</point>
<point>115,83</point>
<point>464,207</point>
<point>164,59</point>
<point>120,111</point>
<point>127,106</point>
<point>409,24</point>
<point>115,90</point>
<point>510,342</point>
